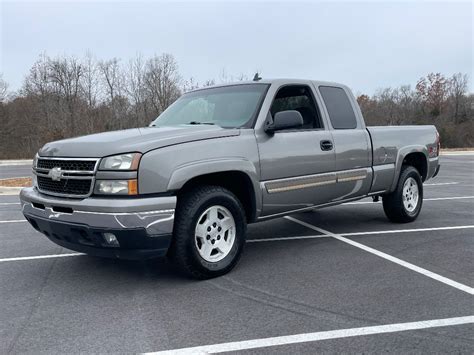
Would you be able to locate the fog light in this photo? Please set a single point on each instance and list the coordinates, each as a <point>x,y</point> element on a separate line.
<point>111,239</point>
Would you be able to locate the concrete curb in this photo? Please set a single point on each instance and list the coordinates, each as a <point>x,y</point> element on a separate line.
<point>459,152</point>
<point>16,162</point>
<point>8,191</point>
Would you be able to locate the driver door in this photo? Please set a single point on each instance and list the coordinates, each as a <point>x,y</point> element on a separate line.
<point>297,165</point>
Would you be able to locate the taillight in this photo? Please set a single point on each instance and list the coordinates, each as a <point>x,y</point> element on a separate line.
<point>438,143</point>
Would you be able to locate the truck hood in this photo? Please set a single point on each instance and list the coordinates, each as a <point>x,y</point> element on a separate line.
<point>132,140</point>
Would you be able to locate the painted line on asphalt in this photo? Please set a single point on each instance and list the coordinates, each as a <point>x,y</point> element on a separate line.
<point>391,231</point>
<point>9,203</point>
<point>441,184</point>
<point>272,240</point>
<point>14,221</point>
<point>318,336</point>
<point>22,258</point>
<point>286,238</point>
<point>448,198</point>
<point>387,231</point>
<point>388,257</point>
<point>424,200</point>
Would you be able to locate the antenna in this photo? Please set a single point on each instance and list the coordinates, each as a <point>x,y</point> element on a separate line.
<point>256,77</point>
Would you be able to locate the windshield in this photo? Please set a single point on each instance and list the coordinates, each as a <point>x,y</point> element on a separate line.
<point>226,106</point>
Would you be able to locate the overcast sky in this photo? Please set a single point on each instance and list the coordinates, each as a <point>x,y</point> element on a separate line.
<point>366,45</point>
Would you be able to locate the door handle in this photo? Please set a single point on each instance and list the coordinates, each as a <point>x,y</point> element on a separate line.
<point>326,145</point>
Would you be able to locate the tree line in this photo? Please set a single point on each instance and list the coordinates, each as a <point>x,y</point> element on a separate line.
<point>67,96</point>
<point>436,99</point>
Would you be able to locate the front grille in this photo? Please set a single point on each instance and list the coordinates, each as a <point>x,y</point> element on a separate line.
<point>65,177</point>
<point>65,186</point>
<point>74,165</point>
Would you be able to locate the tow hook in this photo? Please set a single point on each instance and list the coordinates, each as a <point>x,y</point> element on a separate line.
<point>376,198</point>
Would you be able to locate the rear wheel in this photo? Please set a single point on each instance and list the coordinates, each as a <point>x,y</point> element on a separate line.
<point>209,233</point>
<point>404,204</point>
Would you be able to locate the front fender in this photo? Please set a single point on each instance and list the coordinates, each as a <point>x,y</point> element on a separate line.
<point>186,172</point>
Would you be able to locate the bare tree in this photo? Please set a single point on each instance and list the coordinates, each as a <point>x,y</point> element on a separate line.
<point>65,75</point>
<point>162,81</point>
<point>90,80</point>
<point>3,89</point>
<point>136,90</point>
<point>457,90</point>
<point>113,81</point>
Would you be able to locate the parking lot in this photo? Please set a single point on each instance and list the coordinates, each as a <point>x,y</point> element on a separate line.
<point>341,279</point>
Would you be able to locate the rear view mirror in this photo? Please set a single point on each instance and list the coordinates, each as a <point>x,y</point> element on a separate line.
<point>285,120</point>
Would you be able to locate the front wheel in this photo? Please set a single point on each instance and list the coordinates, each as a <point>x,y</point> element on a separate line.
<point>209,233</point>
<point>404,204</point>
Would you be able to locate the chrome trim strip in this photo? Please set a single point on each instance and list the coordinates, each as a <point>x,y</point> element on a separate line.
<point>351,175</point>
<point>302,182</point>
<point>123,213</point>
<point>66,158</point>
<point>66,177</point>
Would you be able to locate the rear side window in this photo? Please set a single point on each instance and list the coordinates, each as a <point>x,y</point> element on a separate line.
<point>339,107</point>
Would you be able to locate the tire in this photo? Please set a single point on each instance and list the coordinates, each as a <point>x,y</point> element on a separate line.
<point>196,227</point>
<point>402,205</point>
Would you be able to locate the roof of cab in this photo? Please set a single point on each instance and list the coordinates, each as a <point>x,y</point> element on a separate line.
<point>276,82</point>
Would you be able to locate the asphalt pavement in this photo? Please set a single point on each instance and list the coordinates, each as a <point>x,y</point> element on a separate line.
<point>10,171</point>
<point>337,280</point>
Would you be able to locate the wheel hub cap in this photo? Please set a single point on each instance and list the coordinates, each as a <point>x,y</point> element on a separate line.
<point>214,234</point>
<point>410,194</point>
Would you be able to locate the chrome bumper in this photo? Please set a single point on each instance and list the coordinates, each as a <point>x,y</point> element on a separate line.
<point>154,214</point>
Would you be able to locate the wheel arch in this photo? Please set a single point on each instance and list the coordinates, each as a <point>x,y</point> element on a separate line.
<point>238,176</point>
<point>416,156</point>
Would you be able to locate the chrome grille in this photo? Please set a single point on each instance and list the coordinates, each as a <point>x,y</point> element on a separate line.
<point>74,165</point>
<point>68,177</point>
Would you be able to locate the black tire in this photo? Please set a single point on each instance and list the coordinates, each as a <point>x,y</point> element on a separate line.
<point>183,250</point>
<point>393,205</point>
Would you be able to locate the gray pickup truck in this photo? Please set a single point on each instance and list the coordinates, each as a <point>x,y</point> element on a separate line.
<point>217,159</point>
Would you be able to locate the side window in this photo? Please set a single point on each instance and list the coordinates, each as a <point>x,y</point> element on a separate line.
<point>339,107</point>
<point>299,98</point>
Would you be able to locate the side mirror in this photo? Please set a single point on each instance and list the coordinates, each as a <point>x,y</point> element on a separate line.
<point>285,120</point>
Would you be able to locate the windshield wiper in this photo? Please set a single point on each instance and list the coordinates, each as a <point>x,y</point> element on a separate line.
<point>196,122</point>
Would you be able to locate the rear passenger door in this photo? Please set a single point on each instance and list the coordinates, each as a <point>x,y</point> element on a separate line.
<point>351,142</point>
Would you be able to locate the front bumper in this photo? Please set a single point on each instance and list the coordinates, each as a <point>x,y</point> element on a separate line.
<point>143,226</point>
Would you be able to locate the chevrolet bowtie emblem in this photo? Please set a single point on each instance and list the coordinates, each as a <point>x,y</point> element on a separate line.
<point>55,174</point>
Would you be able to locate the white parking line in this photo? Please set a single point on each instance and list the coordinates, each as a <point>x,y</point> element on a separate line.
<point>393,259</point>
<point>448,198</point>
<point>318,336</point>
<point>286,238</point>
<point>9,203</point>
<point>40,257</point>
<point>14,221</point>
<point>442,183</point>
<point>424,200</point>
<point>390,231</point>
<point>387,231</point>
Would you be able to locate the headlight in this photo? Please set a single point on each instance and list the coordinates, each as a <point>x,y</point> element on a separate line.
<point>128,161</point>
<point>35,161</point>
<point>116,187</point>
